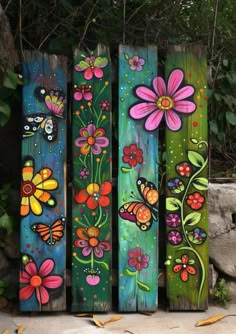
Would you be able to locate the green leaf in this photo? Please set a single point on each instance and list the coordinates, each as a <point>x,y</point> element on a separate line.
<point>128,272</point>
<point>225,62</point>
<point>143,286</point>
<point>7,222</point>
<point>126,169</point>
<point>194,140</point>
<point>1,291</point>
<point>191,261</point>
<point>172,204</point>
<point>104,265</point>
<point>192,218</point>
<point>126,56</point>
<point>231,117</point>
<point>200,183</point>
<point>195,158</point>
<point>214,127</point>
<point>5,112</point>
<point>10,79</point>
<point>178,261</point>
<point>3,284</point>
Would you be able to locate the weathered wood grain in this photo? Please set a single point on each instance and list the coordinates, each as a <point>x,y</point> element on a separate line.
<point>43,187</point>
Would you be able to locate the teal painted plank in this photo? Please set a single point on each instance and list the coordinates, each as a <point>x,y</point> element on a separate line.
<point>43,187</point>
<point>186,188</point>
<point>91,207</point>
<point>137,183</point>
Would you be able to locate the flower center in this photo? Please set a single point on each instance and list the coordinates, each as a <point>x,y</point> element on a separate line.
<point>36,281</point>
<point>27,189</point>
<point>165,103</point>
<point>91,140</point>
<point>93,242</point>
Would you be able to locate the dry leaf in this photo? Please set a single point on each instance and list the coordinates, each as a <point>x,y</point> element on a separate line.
<point>20,329</point>
<point>5,331</point>
<point>89,315</point>
<point>212,320</point>
<point>98,322</point>
<point>113,319</point>
<point>146,313</point>
<point>126,331</point>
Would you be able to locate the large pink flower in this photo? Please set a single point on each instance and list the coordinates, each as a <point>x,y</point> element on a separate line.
<point>39,281</point>
<point>164,100</point>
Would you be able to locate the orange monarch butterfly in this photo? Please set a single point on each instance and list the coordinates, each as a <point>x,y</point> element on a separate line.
<point>50,234</point>
<point>142,212</point>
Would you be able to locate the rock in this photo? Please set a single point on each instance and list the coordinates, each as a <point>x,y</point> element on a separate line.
<point>222,230</point>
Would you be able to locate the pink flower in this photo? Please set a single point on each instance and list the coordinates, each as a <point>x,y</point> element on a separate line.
<point>83,92</point>
<point>136,63</point>
<point>164,100</point>
<point>38,281</point>
<point>92,67</point>
<point>138,259</point>
<point>92,138</point>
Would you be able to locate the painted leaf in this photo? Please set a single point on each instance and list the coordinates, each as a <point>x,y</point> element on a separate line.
<point>211,320</point>
<point>194,140</point>
<point>126,56</point>
<point>195,158</point>
<point>126,169</point>
<point>192,218</point>
<point>172,204</point>
<point>128,272</point>
<point>143,286</point>
<point>104,265</point>
<point>200,183</point>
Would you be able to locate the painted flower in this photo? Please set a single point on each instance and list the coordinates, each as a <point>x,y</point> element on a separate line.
<point>175,185</point>
<point>132,155</point>
<point>83,92</point>
<point>184,169</point>
<point>84,173</point>
<point>38,281</point>
<point>138,259</point>
<point>95,195</point>
<point>34,189</point>
<point>92,277</point>
<point>104,105</point>
<point>197,236</point>
<point>184,267</point>
<point>89,242</point>
<point>92,66</point>
<point>91,138</point>
<point>175,237</point>
<point>164,100</point>
<point>195,201</point>
<point>173,220</point>
<point>136,63</point>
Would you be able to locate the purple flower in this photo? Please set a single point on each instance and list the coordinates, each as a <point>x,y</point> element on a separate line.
<point>173,220</point>
<point>91,138</point>
<point>136,63</point>
<point>164,100</point>
<point>175,237</point>
<point>84,173</point>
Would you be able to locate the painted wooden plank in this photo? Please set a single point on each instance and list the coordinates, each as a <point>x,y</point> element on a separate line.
<point>43,188</point>
<point>186,188</point>
<point>91,208</point>
<point>137,181</point>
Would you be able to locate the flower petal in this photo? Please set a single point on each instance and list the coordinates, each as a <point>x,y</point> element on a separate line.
<point>26,292</point>
<point>82,233</point>
<point>24,277</point>
<point>52,282</point>
<point>177,268</point>
<point>78,96</point>
<point>96,149</point>
<point>186,107</point>
<point>103,201</point>
<point>46,267</point>
<point>173,121</point>
<point>81,196</point>
<point>102,141</point>
<point>81,141</point>
<point>42,295</point>
<point>159,86</point>
<point>184,275</point>
<point>92,203</point>
<point>98,251</point>
<point>42,175</point>
<point>142,110</point>
<point>98,72</point>
<point>183,93</point>
<point>191,270</point>
<point>31,269</point>
<point>174,81</point>
<point>87,251</point>
<point>105,245</point>
<point>154,120</point>
<point>146,94</point>
<point>105,188</point>
<point>35,206</point>
<point>88,74</point>
<point>50,184</point>
<point>27,173</point>
<point>24,209</point>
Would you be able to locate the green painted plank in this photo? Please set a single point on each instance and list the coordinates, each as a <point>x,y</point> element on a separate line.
<point>43,188</point>
<point>91,207</point>
<point>186,179</point>
<point>137,182</point>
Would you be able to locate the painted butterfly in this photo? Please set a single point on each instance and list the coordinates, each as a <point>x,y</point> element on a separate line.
<point>50,234</point>
<point>142,212</point>
<point>83,92</point>
<point>54,100</point>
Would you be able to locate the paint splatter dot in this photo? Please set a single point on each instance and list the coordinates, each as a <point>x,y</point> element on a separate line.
<point>195,124</point>
<point>28,246</point>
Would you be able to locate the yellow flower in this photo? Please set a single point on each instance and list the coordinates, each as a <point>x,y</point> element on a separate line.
<point>33,189</point>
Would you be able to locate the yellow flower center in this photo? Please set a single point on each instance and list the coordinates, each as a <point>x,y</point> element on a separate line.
<point>165,103</point>
<point>36,281</point>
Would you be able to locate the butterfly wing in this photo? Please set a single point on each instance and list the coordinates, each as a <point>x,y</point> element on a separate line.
<point>50,129</point>
<point>50,234</point>
<point>32,124</point>
<point>138,213</point>
<point>148,191</point>
<point>55,102</point>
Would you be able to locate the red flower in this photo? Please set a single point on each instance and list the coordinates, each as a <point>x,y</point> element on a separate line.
<point>195,201</point>
<point>95,195</point>
<point>39,280</point>
<point>132,155</point>
<point>138,259</point>
<point>184,267</point>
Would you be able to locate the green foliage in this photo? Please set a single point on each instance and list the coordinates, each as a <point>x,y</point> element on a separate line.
<point>221,294</point>
<point>6,221</point>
